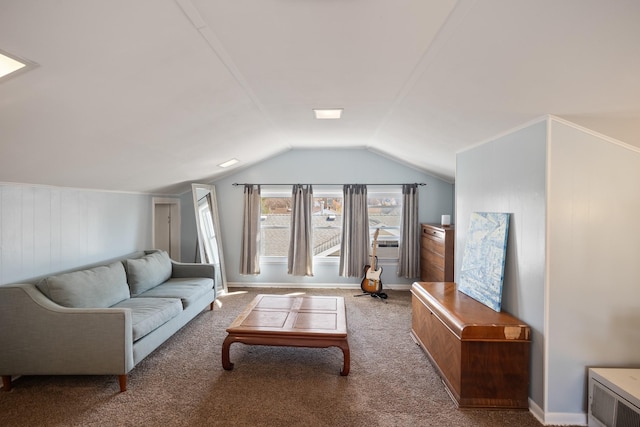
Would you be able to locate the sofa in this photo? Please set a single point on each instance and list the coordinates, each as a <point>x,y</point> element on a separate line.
<point>102,320</point>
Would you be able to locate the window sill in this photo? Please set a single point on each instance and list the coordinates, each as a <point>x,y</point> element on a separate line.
<point>317,261</point>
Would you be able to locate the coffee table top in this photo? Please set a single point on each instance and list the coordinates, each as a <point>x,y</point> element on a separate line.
<point>292,315</point>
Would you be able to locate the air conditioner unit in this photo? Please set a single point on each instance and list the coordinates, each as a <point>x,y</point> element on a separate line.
<point>614,397</point>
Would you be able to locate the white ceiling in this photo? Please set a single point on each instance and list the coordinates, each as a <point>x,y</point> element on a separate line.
<point>150,95</point>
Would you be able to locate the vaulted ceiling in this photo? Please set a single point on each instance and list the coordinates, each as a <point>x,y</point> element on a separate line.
<point>150,95</point>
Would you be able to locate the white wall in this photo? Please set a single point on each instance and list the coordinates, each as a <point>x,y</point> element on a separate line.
<point>594,261</point>
<point>45,230</point>
<point>508,175</point>
<point>340,166</point>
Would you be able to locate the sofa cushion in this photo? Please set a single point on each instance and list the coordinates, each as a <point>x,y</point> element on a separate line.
<point>148,314</point>
<point>148,271</point>
<point>188,290</point>
<point>97,287</point>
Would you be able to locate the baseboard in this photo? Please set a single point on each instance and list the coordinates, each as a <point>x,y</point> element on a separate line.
<point>537,412</point>
<point>393,287</point>
<point>557,418</point>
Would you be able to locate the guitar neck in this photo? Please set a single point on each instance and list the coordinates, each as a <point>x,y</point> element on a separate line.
<point>373,251</point>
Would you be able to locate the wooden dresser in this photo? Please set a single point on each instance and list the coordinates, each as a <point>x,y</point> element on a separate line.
<point>436,253</point>
<point>482,355</point>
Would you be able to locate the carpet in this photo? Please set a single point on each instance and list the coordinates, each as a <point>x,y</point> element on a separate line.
<point>182,383</point>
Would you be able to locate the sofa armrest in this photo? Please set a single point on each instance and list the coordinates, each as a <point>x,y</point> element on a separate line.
<point>40,337</point>
<point>189,269</point>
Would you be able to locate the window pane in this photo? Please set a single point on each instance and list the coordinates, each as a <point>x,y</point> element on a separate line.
<point>327,226</point>
<point>385,213</point>
<point>275,226</point>
<point>385,210</point>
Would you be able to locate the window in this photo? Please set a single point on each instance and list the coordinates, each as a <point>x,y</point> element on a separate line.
<point>209,234</point>
<point>385,213</point>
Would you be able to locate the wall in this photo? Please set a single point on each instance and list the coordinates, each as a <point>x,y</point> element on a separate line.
<point>188,229</point>
<point>45,229</point>
<point>572,258</point>
<point>594,268</point>
<point>341,166</point>
<point>508,175</point>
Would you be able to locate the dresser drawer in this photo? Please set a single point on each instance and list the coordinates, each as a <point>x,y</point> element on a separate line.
<point>433,234</point>
<point>435,246</point>
<point>431,274</point>
<point>428,257</point>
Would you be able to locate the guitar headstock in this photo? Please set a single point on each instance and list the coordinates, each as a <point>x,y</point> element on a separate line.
<point>375,235</point>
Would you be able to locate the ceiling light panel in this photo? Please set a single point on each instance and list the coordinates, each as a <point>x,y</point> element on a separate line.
<point>328,113</point>
<point>228,163</point>
<point>9,64</point>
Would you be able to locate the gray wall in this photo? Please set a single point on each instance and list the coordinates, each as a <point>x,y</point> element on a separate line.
<point>188,228</point>
<point>593,261</point>
<point>508,175</point>
<point>45,230</point>
<point>340,166</point>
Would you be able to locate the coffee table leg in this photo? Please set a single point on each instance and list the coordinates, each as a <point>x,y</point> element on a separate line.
<point>230,339</point>
<point>347,358</point>
<point>226,362</point>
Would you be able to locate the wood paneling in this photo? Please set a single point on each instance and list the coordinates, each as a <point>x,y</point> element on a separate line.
<point>45,230</point>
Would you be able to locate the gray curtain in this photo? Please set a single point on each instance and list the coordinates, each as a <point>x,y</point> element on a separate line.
<point>250,254</point>
<point>409,260</point>
<point>300,243</point>
<point>354,249</point>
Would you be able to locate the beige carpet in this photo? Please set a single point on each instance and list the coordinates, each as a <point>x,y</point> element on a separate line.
<point>391,382</point>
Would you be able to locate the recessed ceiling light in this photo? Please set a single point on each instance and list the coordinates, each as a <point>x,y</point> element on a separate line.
<point>328,113</point>
<point>9,64</point>
<point>228,163</point>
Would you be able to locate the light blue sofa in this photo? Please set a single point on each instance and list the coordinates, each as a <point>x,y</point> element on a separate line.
<point>99,321</point>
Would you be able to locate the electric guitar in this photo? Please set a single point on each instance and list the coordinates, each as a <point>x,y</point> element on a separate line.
<point>371,282</point>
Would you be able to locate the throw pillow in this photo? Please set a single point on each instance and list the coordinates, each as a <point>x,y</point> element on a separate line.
<point>98,287</point>
<point>148,271</point>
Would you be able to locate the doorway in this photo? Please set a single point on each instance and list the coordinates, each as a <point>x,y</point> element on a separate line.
<point>166,226</point>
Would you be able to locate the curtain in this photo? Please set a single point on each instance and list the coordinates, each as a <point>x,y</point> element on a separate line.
<point>250,253</point>
<point>409,259</point>
<point>300,242</point>
<point>354,249</point>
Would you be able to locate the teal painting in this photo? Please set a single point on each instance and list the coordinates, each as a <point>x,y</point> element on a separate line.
<point>482,272</point>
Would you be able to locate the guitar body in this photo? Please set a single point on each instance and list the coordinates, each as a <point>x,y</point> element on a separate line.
<point>371,283</point>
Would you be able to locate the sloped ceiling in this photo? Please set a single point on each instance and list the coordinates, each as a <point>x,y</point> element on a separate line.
<point>151,95</point>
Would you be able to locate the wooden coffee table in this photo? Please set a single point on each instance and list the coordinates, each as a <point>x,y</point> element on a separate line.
<point>295,321</point>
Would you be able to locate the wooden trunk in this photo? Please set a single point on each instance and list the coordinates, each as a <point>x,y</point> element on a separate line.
<point>482,355</point>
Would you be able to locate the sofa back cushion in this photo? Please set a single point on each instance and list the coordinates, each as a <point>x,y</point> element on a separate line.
<point>97,287</point>
<point>148,271</point>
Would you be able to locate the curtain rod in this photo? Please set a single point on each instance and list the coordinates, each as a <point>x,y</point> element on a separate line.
<point>235,184</point>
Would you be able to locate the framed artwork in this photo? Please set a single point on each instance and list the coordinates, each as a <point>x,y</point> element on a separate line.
<point>483,260</point>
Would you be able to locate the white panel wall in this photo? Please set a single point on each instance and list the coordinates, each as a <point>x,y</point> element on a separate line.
<point>594,261</point>
<point>45,229</point>
<point>508,175</point>
<point>342,166</point>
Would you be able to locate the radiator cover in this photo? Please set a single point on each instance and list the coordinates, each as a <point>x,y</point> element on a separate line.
<point>614,397</point>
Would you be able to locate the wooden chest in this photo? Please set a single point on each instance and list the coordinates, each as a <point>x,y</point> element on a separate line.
<point>436,253</point>
<point>482,355</point>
